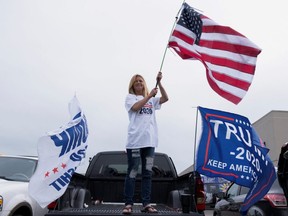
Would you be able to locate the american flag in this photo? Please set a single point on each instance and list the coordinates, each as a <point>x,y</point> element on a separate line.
<point>228,56</point>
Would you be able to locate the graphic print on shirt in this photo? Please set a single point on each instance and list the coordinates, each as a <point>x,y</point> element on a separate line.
<point>147,109</point>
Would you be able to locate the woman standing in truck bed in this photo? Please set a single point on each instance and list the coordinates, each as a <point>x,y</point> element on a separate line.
<point>142,138</point>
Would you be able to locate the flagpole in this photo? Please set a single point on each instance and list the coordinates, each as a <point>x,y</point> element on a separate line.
<point>164,55</point>
<point>195,140</point>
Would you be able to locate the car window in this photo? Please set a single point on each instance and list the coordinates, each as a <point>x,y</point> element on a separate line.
<point>17,168</point>
<point>212,188</point>
<point>276,188</point>
<point>233,190</point>
<point>111,165</point>
<point>244,190</point>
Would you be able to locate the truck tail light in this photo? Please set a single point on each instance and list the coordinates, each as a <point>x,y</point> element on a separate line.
<point>1,203</point>
<point>52,205</point>
<point>200,194</point>
<point>201,201</point>
<point>276,200</point>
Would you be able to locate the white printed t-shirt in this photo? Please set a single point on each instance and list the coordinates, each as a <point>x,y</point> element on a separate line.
<point>142,128</point>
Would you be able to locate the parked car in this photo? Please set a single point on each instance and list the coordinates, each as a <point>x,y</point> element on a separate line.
<point>212,186</point>
<point>273,203</point>
<point>15,173</point>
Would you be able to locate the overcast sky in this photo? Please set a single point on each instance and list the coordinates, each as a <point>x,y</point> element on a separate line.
<point>50,50</point>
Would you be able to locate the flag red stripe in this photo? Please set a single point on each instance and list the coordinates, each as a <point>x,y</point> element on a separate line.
<point>220,29</point>
<point>236,48</point>
<point>245,68</point>
<point>183,37</point>
<point>184,52</point>
<point>231,81</point>
<point>181,53</point>
<point>231,97</point>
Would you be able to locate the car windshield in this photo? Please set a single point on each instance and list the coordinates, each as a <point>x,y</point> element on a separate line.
<point>17,169</point>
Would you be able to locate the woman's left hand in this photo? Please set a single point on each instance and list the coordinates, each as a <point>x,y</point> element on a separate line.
<point>159,76</point>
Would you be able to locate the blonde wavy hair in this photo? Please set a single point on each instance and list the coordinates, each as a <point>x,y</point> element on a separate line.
<point>132,81</point>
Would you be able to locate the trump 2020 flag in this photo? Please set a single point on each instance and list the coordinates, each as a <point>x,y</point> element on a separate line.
<point>228,56</point>
<point>230,148</point>
<point>60,153</point>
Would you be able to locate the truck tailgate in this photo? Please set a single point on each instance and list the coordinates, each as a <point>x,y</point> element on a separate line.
<point>116,210</point>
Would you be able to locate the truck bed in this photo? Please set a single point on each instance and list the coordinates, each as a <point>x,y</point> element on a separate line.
<point>103,183</point>
<point>116,210</point>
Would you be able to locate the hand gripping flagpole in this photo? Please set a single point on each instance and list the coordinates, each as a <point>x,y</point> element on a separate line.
<point>164,55</point>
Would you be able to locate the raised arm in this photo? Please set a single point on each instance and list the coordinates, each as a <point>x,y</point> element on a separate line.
<point>138,105</point>
<point>164,96</point>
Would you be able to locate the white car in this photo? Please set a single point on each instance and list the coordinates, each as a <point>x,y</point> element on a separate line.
<point>15,173</point>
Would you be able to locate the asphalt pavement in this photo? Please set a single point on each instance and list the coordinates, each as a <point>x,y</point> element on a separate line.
<point>208,212</point>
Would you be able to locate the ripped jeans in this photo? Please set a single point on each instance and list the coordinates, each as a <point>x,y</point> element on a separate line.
<point>146,155</point>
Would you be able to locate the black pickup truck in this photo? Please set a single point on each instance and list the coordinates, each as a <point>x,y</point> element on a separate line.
<point>100,190</point>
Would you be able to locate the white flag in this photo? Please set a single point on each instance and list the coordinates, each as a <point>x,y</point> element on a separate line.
<point>60,152</point>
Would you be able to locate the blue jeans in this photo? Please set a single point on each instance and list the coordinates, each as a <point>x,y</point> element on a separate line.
<point>146,155</point>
